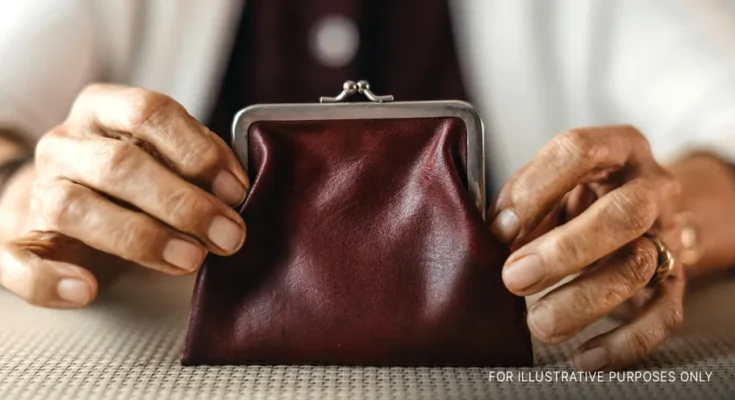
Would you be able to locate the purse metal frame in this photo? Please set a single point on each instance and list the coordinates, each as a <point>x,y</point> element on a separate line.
<point>382,108</point>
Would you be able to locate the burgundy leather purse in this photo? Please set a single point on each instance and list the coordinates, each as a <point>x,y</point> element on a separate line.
<point>366,243</point>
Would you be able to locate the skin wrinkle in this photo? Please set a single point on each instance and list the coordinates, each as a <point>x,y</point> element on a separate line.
<point>592,171</point>
<point>148,148</point>
<point>118,158</point>
<point>627,201</point>
<point>122,167</point>
<point>618,289</point>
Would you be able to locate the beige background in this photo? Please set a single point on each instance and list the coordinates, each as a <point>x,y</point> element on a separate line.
<point>126,346</point>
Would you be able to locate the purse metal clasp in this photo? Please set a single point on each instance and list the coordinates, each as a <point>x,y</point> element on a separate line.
<point>379,107</point>
<point>350,88</point>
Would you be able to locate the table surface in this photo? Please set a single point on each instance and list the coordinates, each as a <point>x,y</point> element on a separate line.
<point>126,346</point>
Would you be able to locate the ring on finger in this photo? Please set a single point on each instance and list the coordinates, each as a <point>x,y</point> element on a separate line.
<point>665,260</point>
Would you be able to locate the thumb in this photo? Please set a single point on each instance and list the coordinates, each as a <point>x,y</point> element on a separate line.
<point>45,269</point>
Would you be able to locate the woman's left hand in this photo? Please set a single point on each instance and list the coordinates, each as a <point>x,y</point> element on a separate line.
<point>581,207</point>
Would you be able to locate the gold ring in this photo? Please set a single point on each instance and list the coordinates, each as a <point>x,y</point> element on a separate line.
<point>665,260</point>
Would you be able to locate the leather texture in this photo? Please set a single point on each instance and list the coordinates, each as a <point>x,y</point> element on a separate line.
<point>363,248</point>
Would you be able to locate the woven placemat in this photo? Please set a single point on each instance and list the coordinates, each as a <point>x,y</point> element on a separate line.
<point>126,346</point>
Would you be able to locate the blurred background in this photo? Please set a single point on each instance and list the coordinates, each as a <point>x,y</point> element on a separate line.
<point>532,68</point>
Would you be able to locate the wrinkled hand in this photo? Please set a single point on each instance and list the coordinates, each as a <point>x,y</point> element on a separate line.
<point>580,207</point>
<point>130,176</point>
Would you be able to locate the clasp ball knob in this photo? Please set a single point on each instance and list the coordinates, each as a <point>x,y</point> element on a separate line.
<point>350,87</point>
<point>363,86</point>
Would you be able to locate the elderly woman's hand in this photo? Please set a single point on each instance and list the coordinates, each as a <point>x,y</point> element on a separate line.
<point>581,207</point>
<point>129,176</point>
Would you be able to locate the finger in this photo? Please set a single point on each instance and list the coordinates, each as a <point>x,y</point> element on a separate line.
<point>191,149</point>
<point>79,212</point>
<point>565,311</point>
<point>571,158</point>
<point>571,205</point>
<point>27,270</point>
<point>577,201</point>
<point>614,220</point>
<point>632,342</point>
<point>549,222</point>
<point>630,309</point>
<point>127,173</point>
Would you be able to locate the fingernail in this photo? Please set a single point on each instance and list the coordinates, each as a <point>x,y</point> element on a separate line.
<point>226,234</point>
<point>523,273</point>
<point>183,254</point>
<point>592,359</point>
<point>542,320</point>
<point>75,291</point>
<point>506,226</point>
<point>227,188</point>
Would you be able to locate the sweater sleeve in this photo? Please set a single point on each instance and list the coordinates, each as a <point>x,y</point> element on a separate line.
<point>47,54</point>
<point>671,72</point>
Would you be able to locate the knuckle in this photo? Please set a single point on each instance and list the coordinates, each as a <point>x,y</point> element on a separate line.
<point>46,145</point>
<point>113,159</point>
<point>88,89</point>
<point>580,146</point>
<point>203,157</point>
<point>186,207</point>
<point>640,263</point>
<point>93,87</point>
<point>632,130</point>
<point>145,107</point>
<point>568,250</point>
<point>141,239</point>
<point>57,131</point>
<point>42,153</point>
<point>636,209</point>
<point>638,137</point>
<point>86,95</point>
<point>43,145</point>
<point>58,205</point>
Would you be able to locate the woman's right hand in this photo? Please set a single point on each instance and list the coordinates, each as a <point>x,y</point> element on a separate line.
<point>130,174</point>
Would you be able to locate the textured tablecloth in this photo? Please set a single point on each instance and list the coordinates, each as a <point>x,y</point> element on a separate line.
<point>126,346</point>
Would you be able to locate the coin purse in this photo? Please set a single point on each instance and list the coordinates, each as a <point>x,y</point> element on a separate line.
<point>366,243</point>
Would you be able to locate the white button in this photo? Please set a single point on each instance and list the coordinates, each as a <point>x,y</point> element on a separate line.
<point>334,41</point>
